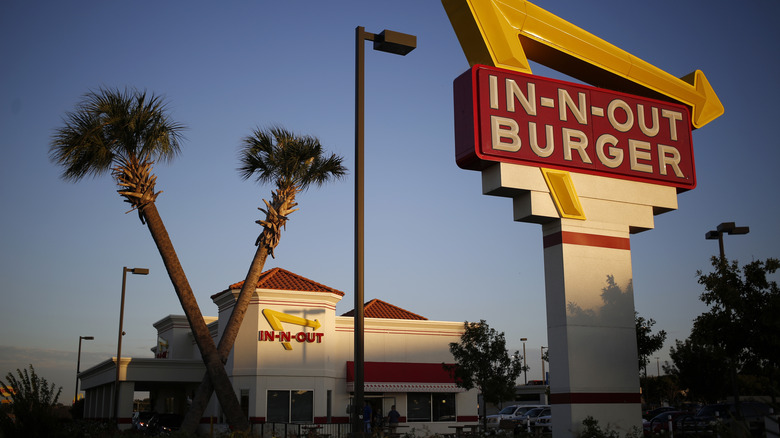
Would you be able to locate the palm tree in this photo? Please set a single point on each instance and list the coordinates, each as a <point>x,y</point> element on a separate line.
<point>126,132</point>
<point>293,164</point>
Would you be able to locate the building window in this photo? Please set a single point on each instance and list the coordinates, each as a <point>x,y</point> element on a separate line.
<point>443,407</point>
<point>295,406</point>
<point>170,404</point>
<point>426,407</point>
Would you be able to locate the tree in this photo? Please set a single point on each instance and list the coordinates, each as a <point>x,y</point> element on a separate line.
<point>699,369</point>
<point>482,362</point>
<point>659,390</point>
<point>126,132</point>
<point>32,399</point>
<point>647,343</point>
<point>739,331</point>
<point>293,163</point>
<point>739,322</point>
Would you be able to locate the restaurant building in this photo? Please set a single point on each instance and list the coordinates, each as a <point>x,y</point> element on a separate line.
<point>292,362</point>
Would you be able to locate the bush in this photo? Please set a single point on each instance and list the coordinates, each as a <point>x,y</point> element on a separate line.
<point>30,413</point>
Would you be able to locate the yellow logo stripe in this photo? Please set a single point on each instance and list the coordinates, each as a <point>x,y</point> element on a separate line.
<point>562,190</point>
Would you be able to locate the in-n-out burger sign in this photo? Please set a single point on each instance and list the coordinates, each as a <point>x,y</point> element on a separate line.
<point>300,337</point>
<point>502,115</point>
<point>276,319</point>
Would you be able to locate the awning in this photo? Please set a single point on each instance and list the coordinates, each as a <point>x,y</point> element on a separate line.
<point>402,377</point>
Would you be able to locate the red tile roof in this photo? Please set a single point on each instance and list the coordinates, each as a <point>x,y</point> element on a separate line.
<point>280,279</point>
<point>379,309</point>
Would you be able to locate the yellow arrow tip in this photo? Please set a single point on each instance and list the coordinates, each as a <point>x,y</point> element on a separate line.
<point>711,108</point>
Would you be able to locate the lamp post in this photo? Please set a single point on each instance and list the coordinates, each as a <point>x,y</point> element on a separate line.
<point>78,365</point>
<point>725,228</point>
<point>400,44</point>
<point>544,378</point>
<point>525,363</point>
<point>728,228</point>
<point>125,270</point>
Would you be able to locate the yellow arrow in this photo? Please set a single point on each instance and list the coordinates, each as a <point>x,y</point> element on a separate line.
<point>506,33</point>
<point>275,319</point>
<point>563,193</point>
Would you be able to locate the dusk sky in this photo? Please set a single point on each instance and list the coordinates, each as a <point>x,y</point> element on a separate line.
<point>435,245</point>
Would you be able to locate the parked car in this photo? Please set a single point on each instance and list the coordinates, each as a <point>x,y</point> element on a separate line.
<point>164,424</point>
<point>530,417</point>
<point>652,413</point>
<point>512,413</point>
<point>140,420</point>
<point>712,417</point>
<point>660,423</point>
<point>544,423</point>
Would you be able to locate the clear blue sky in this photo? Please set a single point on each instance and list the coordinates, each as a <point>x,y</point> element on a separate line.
<point>434,244</point>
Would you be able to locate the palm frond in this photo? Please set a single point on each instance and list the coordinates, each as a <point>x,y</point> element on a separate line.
<point>276,155</point>
<point>112,124</point>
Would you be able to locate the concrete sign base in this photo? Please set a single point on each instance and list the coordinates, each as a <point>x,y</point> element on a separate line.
<point>590,302</point>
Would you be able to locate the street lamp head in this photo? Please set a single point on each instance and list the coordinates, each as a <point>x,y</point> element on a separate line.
<point>139,271</point>
<point>88,338</point>
<point>395,42</point>
<point>712,235</point>
<point>732,228</point>
<point>523,339</point>
<point>726,227</point>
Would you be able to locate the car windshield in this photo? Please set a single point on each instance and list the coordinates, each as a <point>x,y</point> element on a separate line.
<point>534,412</point>
<point>713,410</point>
<point>507,410</point>
<point>664,416</point>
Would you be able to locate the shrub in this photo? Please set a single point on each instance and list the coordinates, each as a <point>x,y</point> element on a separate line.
<point>30,412</point>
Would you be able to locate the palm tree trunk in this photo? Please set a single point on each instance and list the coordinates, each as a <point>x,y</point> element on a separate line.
<point>202,396</point>
<point>276,217</point>
<point>214,367</point>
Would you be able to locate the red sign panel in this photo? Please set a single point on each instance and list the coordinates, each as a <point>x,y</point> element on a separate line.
<point>502,115</point>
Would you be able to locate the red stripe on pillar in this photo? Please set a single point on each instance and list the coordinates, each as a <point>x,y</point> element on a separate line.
<point>586,240</point>
<point>594,397</point>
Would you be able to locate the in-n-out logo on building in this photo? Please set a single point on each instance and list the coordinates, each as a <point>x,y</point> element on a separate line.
<point>502,115</point>
<point>278,334</point>
<point>162,348</point>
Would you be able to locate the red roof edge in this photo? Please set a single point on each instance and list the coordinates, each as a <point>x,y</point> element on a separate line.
<point>377,308</point>
<point>282,279</point>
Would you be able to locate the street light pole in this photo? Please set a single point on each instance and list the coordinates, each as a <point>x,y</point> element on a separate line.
<point>78,366</point>
<point>525,363</point>
<point>399,44</point>
<point>544,378</point>
<point>125,270</point>
<point>728,228</point>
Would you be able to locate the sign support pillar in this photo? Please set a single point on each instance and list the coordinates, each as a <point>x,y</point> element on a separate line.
<point>588,287</point>
<point>590,326</point>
